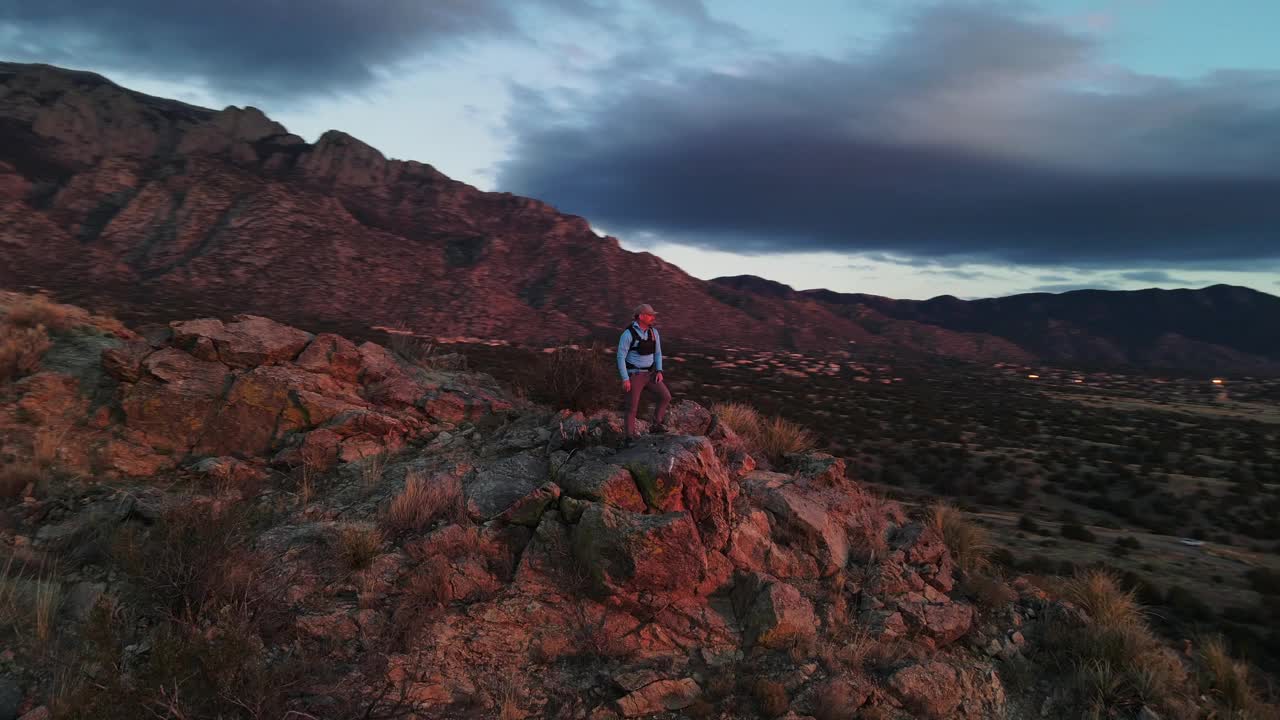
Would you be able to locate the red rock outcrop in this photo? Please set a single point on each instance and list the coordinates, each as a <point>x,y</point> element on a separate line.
<point>537,551</point>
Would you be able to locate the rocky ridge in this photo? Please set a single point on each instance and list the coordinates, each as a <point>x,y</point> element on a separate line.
<point>160,210</point>
<point>559,577</point>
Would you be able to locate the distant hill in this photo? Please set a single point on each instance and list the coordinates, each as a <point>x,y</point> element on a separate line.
<point>1217,327</point>
<point>156,209</point>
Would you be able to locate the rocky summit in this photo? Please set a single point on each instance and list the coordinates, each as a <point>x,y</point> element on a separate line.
<point>328,530</point>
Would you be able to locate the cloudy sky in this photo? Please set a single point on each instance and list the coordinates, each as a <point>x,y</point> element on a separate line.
<point>897,147</point>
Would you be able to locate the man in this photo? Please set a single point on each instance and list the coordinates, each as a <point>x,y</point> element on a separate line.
<point>640,364</point>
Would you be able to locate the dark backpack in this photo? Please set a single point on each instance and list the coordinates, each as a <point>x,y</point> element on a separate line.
<point>644,347</point>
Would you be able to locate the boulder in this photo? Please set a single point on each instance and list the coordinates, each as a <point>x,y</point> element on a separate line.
<point>260,407</point>
<point>752,548</point>
<point>592,476</point>
<point>772,614</point>
<point>800,518</point>
<point>501,486</point>
<point>687,418</point>
<point>246,342</point>
<point>124,363</point>
<point>660,696</point>
<point>171,405</point>
<point>931,689</point>
<point>377,363</point>
<point>626,552</point>
<point>332,355</point>
<point>676,472</point>
<point>818,469</point>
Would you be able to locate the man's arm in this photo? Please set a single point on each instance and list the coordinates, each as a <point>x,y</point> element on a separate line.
<point>624,345</point>
<point>657,350</point>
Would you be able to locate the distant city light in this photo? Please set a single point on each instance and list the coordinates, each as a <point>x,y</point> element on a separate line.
<point>1217,381</point>
<point>1034,377</point>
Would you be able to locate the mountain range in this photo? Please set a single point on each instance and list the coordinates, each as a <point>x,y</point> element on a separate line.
<point>156,209</point>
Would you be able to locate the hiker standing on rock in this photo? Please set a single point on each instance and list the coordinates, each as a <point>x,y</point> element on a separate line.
<point>640,364</point>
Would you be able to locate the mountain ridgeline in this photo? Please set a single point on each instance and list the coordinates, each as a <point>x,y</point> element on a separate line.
<point>156,210</point>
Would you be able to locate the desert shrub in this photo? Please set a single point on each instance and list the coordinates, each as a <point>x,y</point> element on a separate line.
<point>1028,524</point>
<point>1187,604</point>
<point>1264,581</point>
<point>700,708</point>
<point>358,545</point>
<point>21,349</point>
<point>235,676</point>
<point>987,590</point>
<point>771,697</point>
<point>1003,557</point>
<point>970,544</point>
<point>36,311</point>
<point>1076,531</point>
<point>834,703</point>
<point>424,353</point>
<point>584,379</point>
<point>182,563</point>
<point>422,501</point>
<point>14,478</point>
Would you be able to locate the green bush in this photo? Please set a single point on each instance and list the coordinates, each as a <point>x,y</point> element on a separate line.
<point>1075,531</point>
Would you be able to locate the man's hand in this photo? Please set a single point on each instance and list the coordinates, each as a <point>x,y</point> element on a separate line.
<point>626,386</point>
<point>658,376</point>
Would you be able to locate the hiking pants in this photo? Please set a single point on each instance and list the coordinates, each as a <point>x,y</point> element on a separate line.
<point>638,382</point>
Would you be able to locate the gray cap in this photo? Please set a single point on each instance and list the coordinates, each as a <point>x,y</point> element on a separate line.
<point>646,308</point>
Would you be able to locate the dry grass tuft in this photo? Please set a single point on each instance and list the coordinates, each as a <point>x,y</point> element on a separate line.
<point>46,447</point>
<point>509,702</point>
<point>30,604</point>
<point>1119,664</point>
<point>21,349</point>
<point>772,437</point>
<point>424,500</point>
<point>781,437</point>
<point>970,544</point>
<point>1099,594</point>
<point>1226,679</point>
<point>742,419</point>
<point>34,311</point>
<point>47,598</point>
<point>854,653</point>
<point>371,471</point>
<point>358,545</point>
<point>1106,689</point>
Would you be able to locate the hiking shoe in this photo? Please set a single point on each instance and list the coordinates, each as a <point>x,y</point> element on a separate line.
<point>627,443</point>
<point>658,429</point>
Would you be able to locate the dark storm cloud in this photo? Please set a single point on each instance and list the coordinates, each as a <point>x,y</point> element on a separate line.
<point>248,46</point>
<point>971,135</point>
<point>278,49</point>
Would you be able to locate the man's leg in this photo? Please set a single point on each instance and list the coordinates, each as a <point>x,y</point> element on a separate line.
<point>638,382</point>
<point>664,399</point>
